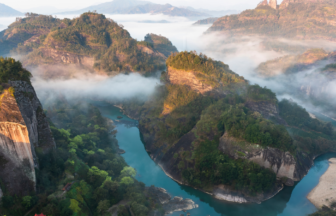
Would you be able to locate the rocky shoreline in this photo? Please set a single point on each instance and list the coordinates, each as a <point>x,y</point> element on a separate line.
<point>223,193</point>
<point>161,196</point>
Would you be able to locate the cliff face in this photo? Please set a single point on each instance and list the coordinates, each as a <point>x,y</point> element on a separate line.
<point>62,57</point>
<point>181,77</point>
<point>23,127</point>
<point>33,115</point>
<point>282,163</point>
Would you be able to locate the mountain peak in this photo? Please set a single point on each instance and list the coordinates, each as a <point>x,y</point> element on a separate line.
<point>6,11</point>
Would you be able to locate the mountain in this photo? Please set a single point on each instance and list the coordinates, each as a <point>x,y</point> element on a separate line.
<point>161,44</point>
<point>113,7</point>
<point>206,120</point>
<point>166,9</point>
<point>138,7</point>
<point>46,10</point>
<point>308,76</point>
<point>91,41</point>
<point>213,12</point>
<point>302,19</point>
<point>6,11</point>
<point>290,64</point>
<point>24,128</point>
<point>207,21</point>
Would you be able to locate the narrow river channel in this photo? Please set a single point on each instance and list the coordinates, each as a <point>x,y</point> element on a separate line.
<point>291,201</point>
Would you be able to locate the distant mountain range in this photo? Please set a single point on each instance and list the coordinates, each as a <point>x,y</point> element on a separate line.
<point>300,19</point>
<point>6,11</point>
<point>139,7</point>
<point>214,13</point>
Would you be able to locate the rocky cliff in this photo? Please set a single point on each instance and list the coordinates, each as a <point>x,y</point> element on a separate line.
<point>188,78</point>
<point>282,163</point>
<point>267,109</point>
<point>23,129</point>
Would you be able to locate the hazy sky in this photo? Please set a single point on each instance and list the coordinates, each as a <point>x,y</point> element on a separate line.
<point>24,5</point>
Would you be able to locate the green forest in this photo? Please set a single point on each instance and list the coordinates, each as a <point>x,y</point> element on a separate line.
<point>11,70</point>
<point>86,158</point>
<point>161,44</point>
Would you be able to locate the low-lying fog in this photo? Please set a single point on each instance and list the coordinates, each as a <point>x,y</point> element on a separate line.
<point>243,55</point>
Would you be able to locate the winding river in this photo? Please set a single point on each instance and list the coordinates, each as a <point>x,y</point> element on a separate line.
<point>291,201</point>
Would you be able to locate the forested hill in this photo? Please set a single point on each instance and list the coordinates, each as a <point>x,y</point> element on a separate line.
<point>208,127</point>
<point>293,19</point>
<point>91,41</point>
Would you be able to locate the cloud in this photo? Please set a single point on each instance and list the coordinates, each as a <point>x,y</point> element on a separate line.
<point>242,54</point>
<point>120,87</point>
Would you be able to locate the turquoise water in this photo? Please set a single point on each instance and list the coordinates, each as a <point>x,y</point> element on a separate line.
<point>291,201</point>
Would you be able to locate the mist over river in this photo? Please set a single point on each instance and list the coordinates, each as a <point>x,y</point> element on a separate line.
<point>291,201</point>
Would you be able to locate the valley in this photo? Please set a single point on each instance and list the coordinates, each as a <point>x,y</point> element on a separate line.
<point>239,122</point>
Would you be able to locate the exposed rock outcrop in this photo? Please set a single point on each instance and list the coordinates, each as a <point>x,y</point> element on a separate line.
<point>62,57</point>
<point>273,4</point>
<point>285,3</point>
<point>23,127</point>
<point>16,159</point>
<point>263,3</point>
<point>221,192</point>
<point>267,109</point>
<point>159,196</point>
<point>33,115</point>
<point>284,164</point>
<point>171,205</point>
<point>188,78</point>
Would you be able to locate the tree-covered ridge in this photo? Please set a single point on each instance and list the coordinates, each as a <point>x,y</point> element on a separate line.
<point>106,44</point>
<point>10,69</point>
<point>297,116</point>
<point>212,72</point>
<point>206,166</point>
<point>257,93</point>
<point>33,23</point>
<point>241,123</point>
<point>330,67</point>
<point>215,168</point>
<point>293,63</point>
<point>161,44</point>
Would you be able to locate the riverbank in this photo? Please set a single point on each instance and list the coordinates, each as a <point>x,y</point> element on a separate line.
<point>325,192</point>
<point>291,201</point>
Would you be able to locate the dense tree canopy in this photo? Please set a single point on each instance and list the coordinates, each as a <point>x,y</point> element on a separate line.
<point>10,69</point>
